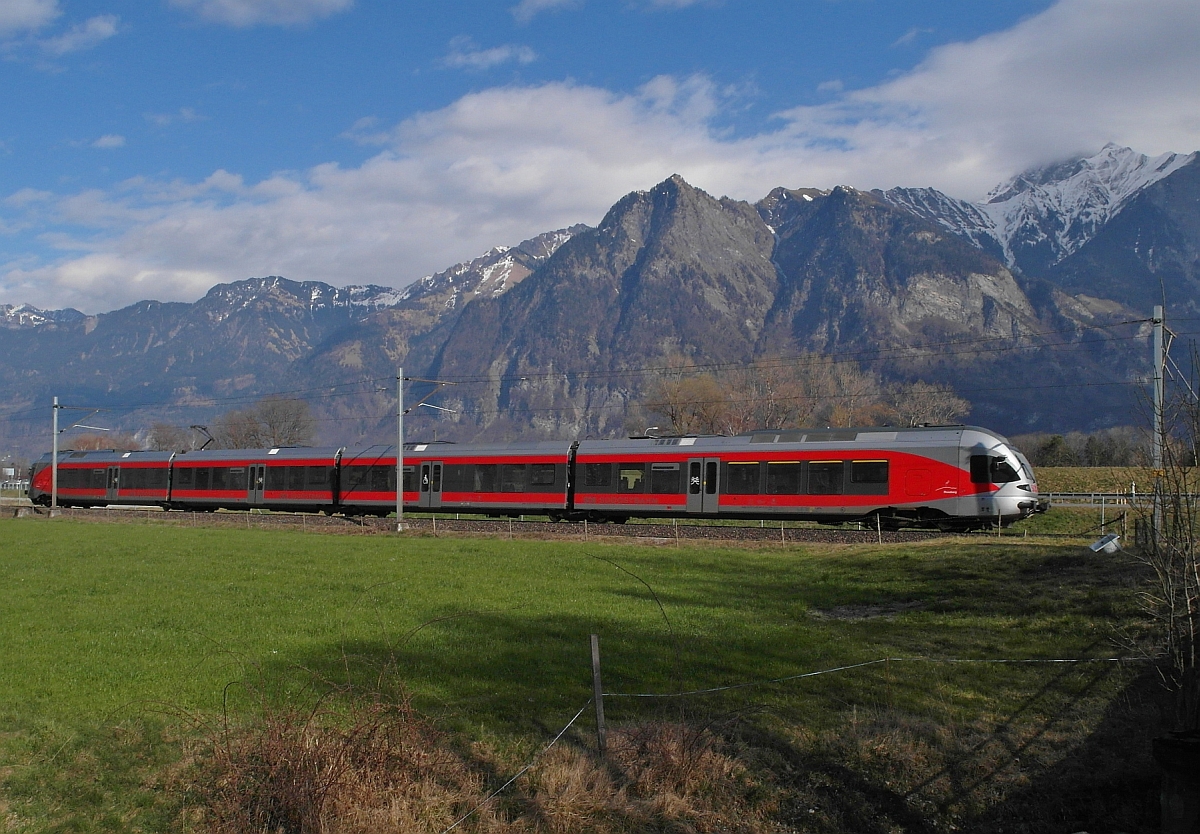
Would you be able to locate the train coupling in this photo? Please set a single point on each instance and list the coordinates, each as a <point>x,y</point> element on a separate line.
<point>1033,507</point>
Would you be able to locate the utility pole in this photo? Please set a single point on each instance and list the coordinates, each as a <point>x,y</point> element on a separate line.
<point>1159,441</point>
<point>54,464</point>
<point>400,449</point>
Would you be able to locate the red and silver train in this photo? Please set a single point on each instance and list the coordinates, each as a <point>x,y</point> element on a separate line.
<point>949,477</point>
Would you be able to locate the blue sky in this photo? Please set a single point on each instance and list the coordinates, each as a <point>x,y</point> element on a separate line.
<point>152,149</point>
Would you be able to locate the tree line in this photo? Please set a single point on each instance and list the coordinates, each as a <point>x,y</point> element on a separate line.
<point>271,422</point>
<point>805,391</point>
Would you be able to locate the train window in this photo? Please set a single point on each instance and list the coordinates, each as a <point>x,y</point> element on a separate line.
<point>710,477</point>
<point>383,478</point>
<point>979,469</point>
<point>220,478</point>
<point>277,477</point>
<point>512,477</point>
<point>1002,472</point>
<point>664,478</point>
<point>869,472</point>
<point>597,474</point>
<point>825,477</point>
<point>868,477</point>
<point>485,477</point>
<point>317,477</point>
<point>631,477</point>
<point>295,478</point>
<point>410,479</point>
<point>133,479</point>
<point>541,474</point>
<point>694,478</point>
<point>237,478</point>
<point>741,478</point>
<point>185,478</point>
<point>99,478</point>
<point>783,477</point>
<point>459,477</point>
<point>986,469</point>
<point>203,477</point>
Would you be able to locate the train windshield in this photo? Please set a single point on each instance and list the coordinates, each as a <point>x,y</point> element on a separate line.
<point>1026,469</point>
<point>991,469</point>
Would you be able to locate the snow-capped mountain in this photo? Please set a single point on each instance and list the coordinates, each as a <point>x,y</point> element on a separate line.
<point>490,275</point>
<point>1043,215</point>
<point>26,315</point>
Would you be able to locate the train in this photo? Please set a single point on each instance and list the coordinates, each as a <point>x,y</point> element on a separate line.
<point>943,477</point>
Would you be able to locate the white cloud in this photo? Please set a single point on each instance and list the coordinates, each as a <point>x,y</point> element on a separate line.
<point>183,114</point>
<point>911,36</point>
<point>503,164</point>
<point>26,15</point>
<point>109,141</point>
<point>526,10</point>
<point>271,12</point>
<point>1082,73</point>
<point>82,35</point>
<point>464,54</point>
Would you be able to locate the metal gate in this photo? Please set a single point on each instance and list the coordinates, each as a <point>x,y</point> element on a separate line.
<point>431,484</point>
<point>703,485</point>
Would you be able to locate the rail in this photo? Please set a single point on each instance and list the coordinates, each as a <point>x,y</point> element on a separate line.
<point>1106,499</point>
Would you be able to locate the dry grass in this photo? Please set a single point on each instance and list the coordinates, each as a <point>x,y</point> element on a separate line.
<point>381,768</point>
<point>384,769</point>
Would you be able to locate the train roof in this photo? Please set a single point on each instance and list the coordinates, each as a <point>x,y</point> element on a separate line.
<point>447,450</point>
<point>870,436</point>
<point>260,455</point>
<point>106,456</point>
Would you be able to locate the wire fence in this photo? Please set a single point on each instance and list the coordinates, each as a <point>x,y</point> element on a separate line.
<point>884,661</point>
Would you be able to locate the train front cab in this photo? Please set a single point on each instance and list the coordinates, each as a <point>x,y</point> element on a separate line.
<point>1004,489</point>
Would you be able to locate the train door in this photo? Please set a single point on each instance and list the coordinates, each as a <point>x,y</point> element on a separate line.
<point>257,483</point>
<point>431,484</point>
<point>113,484</point>
<point>703,485</point>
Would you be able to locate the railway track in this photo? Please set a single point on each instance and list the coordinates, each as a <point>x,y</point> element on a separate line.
<point>659,532</point>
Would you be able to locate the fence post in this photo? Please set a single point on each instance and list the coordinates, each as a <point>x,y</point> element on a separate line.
<point>598,696</point>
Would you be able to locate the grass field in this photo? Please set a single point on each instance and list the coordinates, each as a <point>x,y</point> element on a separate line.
<point>125,644</point>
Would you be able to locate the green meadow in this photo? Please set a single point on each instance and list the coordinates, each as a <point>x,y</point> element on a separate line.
<point>124,643</point>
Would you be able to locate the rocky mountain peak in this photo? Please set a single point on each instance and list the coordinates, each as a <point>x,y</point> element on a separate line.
<point>26,315</point>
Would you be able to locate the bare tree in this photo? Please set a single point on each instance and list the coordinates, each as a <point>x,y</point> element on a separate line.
<point>285,422</point>
<point>1169,545</point>
<point>274,421</point>
<point>165,437</point>
<point>920,402</point>
<point>118,441</point>
<point>691,404</point>
<point>770,393</point>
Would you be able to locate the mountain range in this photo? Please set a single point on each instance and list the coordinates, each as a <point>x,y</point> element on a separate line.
<point>1031,304</point>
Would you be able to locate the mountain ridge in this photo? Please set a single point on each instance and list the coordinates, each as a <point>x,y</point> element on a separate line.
<point>671,271</point>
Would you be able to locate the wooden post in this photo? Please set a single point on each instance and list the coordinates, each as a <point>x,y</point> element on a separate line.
<point>598,696</point>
